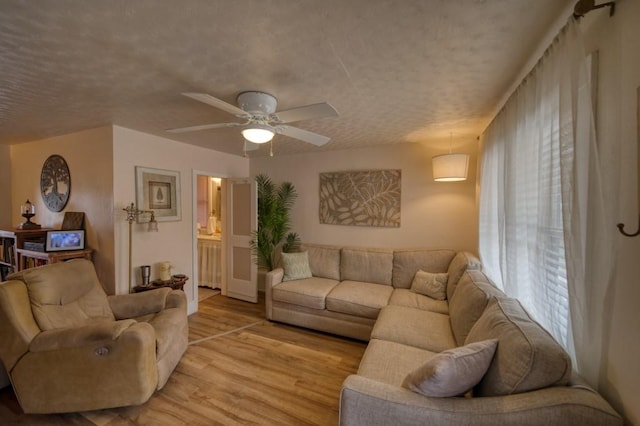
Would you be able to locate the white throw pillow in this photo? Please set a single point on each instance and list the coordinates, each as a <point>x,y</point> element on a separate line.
<point>452,372</point>
<point>430,284</point>
<point>296,266</point>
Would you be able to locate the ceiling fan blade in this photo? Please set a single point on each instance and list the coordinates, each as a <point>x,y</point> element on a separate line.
<point>306,112</point>
<point>203,127</point>
<point>215,102</point>
<point>303,135</point>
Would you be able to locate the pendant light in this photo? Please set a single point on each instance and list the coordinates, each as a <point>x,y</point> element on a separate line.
<point>450,167</point>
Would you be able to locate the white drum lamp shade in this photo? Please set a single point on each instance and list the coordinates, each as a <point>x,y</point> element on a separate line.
<point>450,167</point>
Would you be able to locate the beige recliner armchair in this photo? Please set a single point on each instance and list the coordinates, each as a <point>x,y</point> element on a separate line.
<point>67,346</point>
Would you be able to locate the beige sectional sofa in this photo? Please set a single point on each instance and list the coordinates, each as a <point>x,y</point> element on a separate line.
<point>366,294</point>
<point>350,285</point>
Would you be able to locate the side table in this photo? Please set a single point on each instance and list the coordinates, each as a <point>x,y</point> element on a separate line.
<point>176,282</point>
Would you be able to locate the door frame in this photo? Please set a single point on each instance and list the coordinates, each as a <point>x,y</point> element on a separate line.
<point>193,307</point>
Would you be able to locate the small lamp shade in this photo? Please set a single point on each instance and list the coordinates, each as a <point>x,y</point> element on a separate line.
<point>450,167</point>
<point>153,224</point>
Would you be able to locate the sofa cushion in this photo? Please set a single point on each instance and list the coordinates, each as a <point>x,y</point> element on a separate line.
<point>296,266</point>
<point>66,294</point>
<point>527,357</point>
<point>324,261</point>
<point>413,327</point>
<point>366,265</point>
<point>452,372</point>
<point>405,297</point>
<point>469,301</point>
<point>460,263</point>
<point>390,362</point>
<point>433,285</point>
<point>310,292</point>
<point>407,262</point>
<point>358,298</point>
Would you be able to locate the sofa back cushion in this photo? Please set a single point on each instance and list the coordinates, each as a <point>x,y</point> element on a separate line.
<point>366,265</point>
<point>460,263</point>
<point>527,357</point>
<point>469,302</point>
<point>65,294</point>
<point>407,262</point>
<point>324,261</point>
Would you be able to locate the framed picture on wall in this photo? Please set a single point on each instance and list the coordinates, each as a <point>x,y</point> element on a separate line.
<point>158,190</point>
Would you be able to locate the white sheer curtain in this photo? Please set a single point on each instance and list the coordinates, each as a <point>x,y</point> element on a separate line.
<point>541,204</point>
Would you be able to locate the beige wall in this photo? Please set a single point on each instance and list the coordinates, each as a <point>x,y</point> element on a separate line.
<point>175,241</point>
<point>5,186</point>
<point>617,40</point>
<point>89,157</point>
<point>433,214</point>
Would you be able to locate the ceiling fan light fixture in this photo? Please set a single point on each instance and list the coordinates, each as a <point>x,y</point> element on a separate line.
<point>258,133</point>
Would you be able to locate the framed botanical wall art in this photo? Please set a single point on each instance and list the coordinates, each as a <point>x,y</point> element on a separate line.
<point>158,190</point>
<point>361,198</point>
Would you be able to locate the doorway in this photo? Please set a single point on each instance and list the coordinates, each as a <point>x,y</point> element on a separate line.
<point>210,235</point>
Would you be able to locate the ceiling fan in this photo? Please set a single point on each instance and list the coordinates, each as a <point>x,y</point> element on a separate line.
<point>261,121</point>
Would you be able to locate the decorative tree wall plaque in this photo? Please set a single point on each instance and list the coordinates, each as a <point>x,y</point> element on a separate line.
<point>55,183</point>
<point>361,198</point>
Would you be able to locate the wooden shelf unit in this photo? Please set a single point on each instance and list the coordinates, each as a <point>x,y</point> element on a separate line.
<point>31,259</point>
<point>11,240</point>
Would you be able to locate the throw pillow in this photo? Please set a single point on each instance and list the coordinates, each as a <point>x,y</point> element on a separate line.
<point>452,372</point>
<point>429,284</point>
<point>296,266</point>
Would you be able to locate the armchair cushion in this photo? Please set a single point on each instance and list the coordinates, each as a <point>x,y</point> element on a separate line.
<point>62,338</point>
<point>66,294</point>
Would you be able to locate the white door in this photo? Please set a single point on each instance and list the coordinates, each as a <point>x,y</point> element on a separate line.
<point>242,272</point>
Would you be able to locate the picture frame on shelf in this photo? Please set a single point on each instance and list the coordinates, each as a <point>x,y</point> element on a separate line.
<point>65,240</point>
<point>158,190</point>
<point>73,220</point>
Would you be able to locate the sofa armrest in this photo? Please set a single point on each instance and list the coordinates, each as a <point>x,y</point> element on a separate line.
<point>271,279</point>
<point>177,299</point>
<point>368,402</point>
<point>138,304</point>
<point>62,338</point>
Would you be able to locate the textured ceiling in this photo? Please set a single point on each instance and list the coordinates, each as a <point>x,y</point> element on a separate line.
<point>396,71</point>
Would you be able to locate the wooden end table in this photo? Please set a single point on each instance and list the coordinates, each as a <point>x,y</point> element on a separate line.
<point>176,282</point>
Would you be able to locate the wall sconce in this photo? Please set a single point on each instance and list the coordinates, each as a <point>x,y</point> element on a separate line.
<point>132,215</point>
<point>450,167</point>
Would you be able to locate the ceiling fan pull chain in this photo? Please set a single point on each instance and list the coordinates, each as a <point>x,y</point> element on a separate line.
<point>271,148</point>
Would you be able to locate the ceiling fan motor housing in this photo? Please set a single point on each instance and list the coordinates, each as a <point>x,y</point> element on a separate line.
<point>257,103</point>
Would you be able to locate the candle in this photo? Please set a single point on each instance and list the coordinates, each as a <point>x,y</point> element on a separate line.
<point>164,271</point>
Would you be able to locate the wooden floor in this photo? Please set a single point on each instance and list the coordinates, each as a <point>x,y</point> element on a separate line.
<point>238,369</point>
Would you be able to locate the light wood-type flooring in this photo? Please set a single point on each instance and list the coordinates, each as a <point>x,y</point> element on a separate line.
<point>239,369</point>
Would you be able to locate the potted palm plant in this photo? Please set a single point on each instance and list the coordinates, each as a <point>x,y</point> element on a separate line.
<point>273,236</point>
